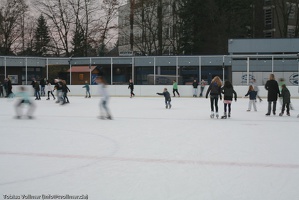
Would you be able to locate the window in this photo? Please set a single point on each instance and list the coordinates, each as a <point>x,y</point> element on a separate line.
<point>81,77</point>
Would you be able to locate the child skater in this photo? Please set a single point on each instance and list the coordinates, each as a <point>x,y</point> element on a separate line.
<point>25,99</point>
<point>175,88</point>
<point>286,99</point>
<point>131,87</point>
<point>215,92</point>
<point>49,88</point>
<point>167,98</point>
<point>86,86</point>
<point>229,92</point>
<point>105,98</point>
<point>252,98</point>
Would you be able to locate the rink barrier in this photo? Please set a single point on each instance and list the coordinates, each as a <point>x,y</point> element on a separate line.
<point>151,90</point>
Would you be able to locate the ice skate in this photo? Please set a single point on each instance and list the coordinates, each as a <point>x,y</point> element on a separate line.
<point>217,115</point>
<point>169,106</point>
<point>228,114</point>
<point>212,115</point>
<point>224,116</point>
<point>288,114</point>
<point>166,106</point>
<point>280,114</point>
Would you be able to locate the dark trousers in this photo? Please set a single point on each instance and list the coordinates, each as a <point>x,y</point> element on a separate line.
<point>50,92</point>
<point>175,90</point>
<point>225,107</point>
<point>214,101</point>
<point>287,106</point>
<point>270,107</point>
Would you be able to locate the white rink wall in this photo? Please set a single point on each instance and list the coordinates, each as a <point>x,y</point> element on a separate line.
<point>151,90</point>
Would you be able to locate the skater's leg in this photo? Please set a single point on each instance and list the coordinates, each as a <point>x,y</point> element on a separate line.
<point>212,103</point>
<point>30,109</point>
<point>18,108</point>
<point>229,108</point>
<point>216,104</point>
<point>225,107</point>
<point>254,105</point>
<point>269,107</point>
<point>274,107</point>
<point>288,108</point>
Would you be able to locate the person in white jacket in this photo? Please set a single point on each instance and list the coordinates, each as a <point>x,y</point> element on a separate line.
<point>49,88</point>
<point>104,98</point>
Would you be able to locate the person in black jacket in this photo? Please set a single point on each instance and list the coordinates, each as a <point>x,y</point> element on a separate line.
<point>36,89</point>
<point>273,93</point>
<point>131,87</point>
<point>195,85</point>
<point>65,90</point>
<point>229,92</point>
<point>215,92</point>
<point>286,100</point>
<point>166,94</point>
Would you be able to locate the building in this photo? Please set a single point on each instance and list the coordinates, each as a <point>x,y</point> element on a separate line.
<point>280,18</point>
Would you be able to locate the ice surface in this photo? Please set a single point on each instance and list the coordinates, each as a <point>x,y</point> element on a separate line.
<point>148,152</point>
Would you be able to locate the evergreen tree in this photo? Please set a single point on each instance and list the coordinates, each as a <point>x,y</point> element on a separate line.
<point>42,37</point>
<point>78,42</point>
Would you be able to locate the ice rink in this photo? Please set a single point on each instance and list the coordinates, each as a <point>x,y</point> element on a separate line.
<point>148,152</point>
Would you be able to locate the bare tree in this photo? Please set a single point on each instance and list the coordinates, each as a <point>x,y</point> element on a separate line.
<point>60,15</point>
<point>11,23</point>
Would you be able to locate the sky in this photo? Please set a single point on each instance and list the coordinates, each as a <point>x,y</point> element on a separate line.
<point>148,152</point>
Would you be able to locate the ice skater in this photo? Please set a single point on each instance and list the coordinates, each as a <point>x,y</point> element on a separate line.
<point>87,89</point>
<point>252,98</point>
<point>228,93</point>
<point>202,86</point>
<point>36,90</point>
<point>215,92</point>
<point>49,89</point>
<point>195,86</point>
<point>65,90</point>
<point>175,88</point>
<point>166,94</point>
<point>286,100</point>
<point>273,93</point>
<point>104,99</point>
<point>24,99</point>
<point>131,87</point>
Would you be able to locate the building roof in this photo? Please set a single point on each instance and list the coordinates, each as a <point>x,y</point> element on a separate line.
<point>81,68</point>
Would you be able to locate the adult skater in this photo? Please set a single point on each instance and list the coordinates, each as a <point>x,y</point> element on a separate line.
<point>58,88</point>
<point>166,94</point>
<point>195,85</point>
<point>64,91</point>
<point>87,89</point>
<point>202,86</point>
<point>36,90</point>
<point>49,89</point>
<point>131,87</point>
<point>228,93</point>
<point>25,99</point>
<point>215,92</point>
<point>104,98</point>
<point>175,88</point>
<point>273,93</point>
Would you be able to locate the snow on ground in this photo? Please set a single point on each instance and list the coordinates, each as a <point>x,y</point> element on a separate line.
<point>148,152</point>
